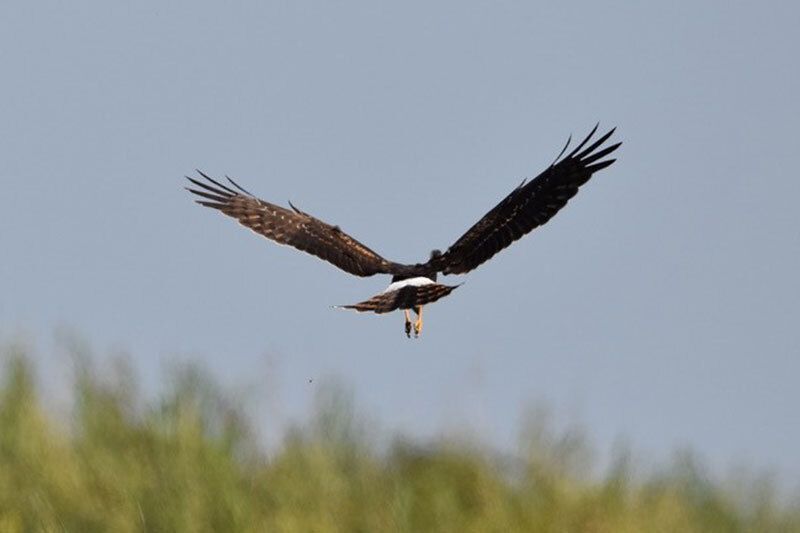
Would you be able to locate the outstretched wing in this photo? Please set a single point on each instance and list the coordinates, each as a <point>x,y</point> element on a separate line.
<point>292,227</point>
<point>526,207</point>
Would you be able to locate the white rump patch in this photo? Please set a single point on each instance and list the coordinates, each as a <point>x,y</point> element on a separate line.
<point>412,282</point>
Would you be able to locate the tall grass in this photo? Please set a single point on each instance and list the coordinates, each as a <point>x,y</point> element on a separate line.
<point>188,461</point>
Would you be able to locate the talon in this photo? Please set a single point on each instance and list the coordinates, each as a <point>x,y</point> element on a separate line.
<point>417,328</point>
<point>408,329</point>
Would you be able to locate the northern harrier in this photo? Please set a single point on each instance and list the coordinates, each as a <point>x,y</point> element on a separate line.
<point>529,205</point>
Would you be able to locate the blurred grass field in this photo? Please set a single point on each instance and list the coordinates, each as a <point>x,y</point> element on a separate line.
<point>188,460</point>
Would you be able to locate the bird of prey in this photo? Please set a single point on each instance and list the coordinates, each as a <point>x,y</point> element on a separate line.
<point>531,204</point>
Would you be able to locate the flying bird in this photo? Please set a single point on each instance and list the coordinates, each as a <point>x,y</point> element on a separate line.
<point>531,204</point>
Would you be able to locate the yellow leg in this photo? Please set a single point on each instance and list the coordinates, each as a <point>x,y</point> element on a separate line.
<point>418,323</point>
<point>408,324</point>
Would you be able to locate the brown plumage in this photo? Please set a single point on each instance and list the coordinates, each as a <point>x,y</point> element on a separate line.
<point>404,298</point>
<point>293,227</point>
<point>528,206</point>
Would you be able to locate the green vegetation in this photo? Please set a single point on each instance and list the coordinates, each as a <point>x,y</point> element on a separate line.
<point>188,462</point>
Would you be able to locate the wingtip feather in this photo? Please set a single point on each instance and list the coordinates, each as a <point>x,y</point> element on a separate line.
<point>238,186</point>
<point>583,142</point>
<point>212,180</point>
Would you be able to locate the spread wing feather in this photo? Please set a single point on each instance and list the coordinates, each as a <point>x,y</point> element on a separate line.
<point>291,227</point>
<point>528,206</point>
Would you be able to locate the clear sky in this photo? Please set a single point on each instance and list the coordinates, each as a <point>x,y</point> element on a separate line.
<point>660,306</point>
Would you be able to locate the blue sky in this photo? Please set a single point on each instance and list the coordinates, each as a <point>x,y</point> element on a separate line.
<point>661,306</point>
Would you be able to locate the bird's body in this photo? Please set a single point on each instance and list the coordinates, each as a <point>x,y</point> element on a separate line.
<point>529,205</point>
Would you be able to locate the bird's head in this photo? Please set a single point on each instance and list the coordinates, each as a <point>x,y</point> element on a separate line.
<point>435,254</point>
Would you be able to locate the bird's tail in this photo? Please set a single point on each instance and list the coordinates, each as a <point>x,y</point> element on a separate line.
<point>404,298</point>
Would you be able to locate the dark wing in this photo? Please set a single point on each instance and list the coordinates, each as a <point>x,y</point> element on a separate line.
<point>403,298</point>
<point>292,227</point>
<point>526,207</point>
